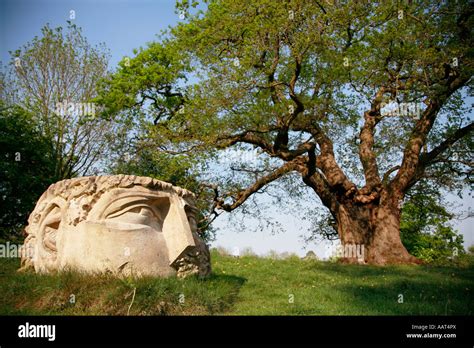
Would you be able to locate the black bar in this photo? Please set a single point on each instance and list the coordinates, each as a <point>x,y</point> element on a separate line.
<point>208,330</point>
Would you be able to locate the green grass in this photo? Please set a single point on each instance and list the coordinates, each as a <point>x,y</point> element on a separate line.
<point>247,286</point>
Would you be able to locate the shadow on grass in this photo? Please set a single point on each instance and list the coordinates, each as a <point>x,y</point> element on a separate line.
<point>465,272</point>
<point>227,278</point>
<point>403,290</point>
<point>405,298</point>
<point>215,294</point>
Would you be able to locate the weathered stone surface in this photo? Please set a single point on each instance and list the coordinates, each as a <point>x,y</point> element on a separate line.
<point>119,224</point>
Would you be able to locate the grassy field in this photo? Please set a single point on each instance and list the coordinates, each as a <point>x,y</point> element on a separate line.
<point>247,285</point>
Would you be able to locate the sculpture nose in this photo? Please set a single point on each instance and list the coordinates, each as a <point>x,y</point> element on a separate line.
<point>177,231</point>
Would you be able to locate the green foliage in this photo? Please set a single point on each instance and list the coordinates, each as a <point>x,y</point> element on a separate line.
<point>173,169</point>
<point>238,68</point>
<point>60,67</point>
<point>27,168</point>
<point>424,227</point>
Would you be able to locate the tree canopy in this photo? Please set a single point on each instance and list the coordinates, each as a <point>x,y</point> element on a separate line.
<point>360,99</point>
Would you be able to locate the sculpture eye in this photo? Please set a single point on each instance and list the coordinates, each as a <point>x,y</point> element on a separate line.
<point>131,211</point>
<point>50,229</point>
<point>138,216</point>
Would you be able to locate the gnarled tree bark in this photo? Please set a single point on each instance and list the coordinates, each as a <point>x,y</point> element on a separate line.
<point>373,229</point>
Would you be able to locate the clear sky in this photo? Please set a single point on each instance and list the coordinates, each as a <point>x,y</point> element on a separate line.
<point>122,24</point>
<point>127,24</point>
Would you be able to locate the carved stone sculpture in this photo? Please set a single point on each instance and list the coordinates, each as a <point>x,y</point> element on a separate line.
<point>120,224</point>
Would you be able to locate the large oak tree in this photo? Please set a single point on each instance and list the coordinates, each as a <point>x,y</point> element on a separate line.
<point>310,84</point>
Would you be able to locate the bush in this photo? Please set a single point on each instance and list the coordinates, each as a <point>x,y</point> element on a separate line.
<point>26,170</point>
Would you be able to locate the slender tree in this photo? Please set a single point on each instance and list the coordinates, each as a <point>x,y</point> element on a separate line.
<point>54,78</point>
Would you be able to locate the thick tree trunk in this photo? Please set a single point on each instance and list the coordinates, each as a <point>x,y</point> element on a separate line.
<point>370,233</point>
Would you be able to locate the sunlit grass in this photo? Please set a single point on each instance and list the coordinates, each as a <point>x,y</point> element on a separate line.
<point>248,285</point>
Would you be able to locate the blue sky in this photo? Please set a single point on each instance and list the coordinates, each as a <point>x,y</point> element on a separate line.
<point>122,24</point>
<point>127,24</point>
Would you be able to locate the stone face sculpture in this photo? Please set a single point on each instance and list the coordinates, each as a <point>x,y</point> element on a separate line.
<point>119,224</point>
